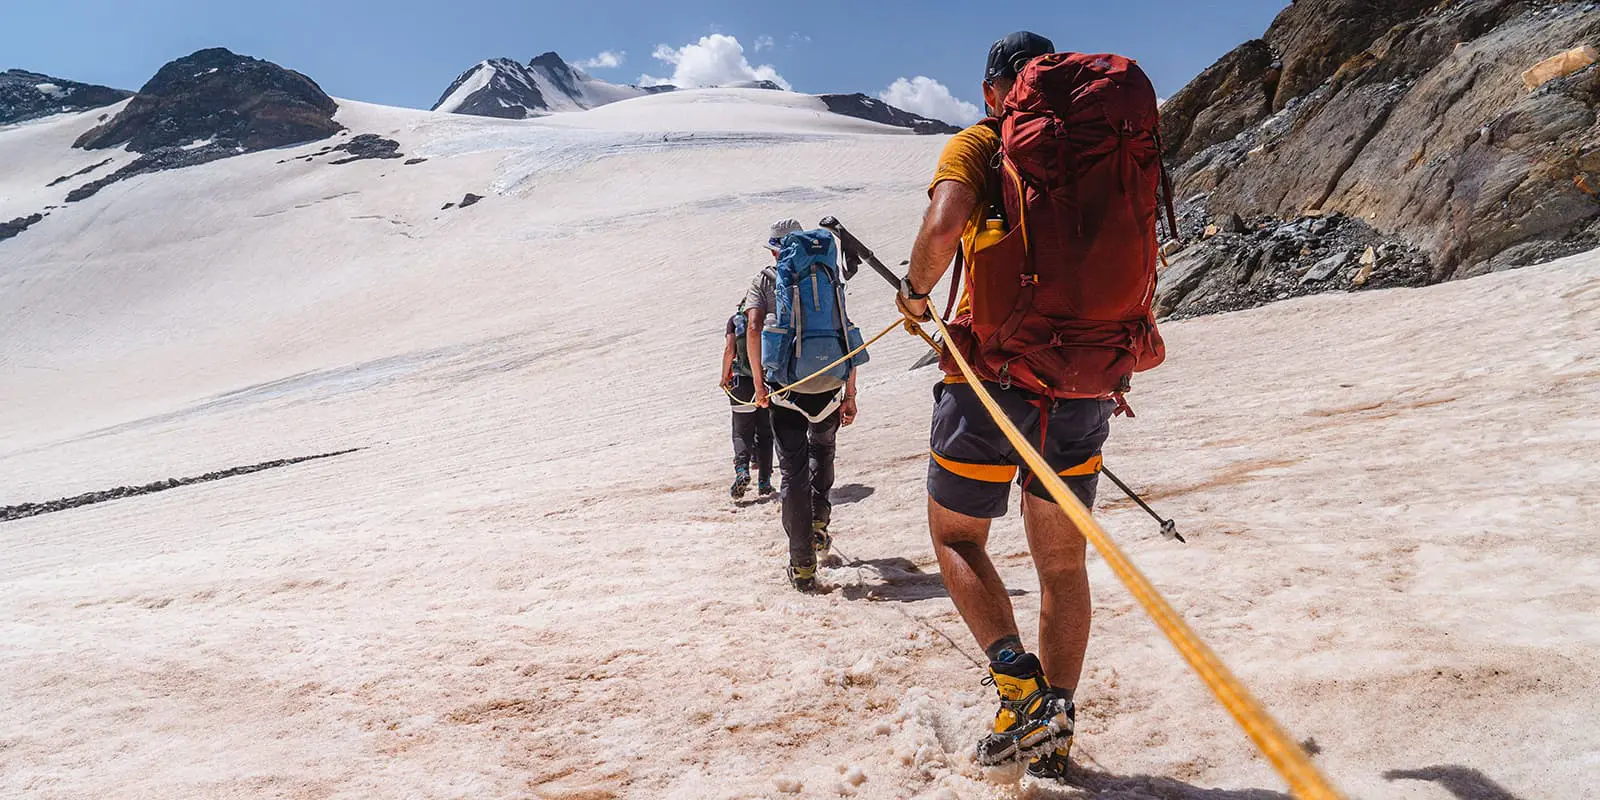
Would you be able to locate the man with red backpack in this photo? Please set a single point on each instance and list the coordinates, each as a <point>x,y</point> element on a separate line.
<point>1049,210</point>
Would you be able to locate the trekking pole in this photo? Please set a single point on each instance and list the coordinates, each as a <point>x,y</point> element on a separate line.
<point>1169,528</point>
<point>854,248</point>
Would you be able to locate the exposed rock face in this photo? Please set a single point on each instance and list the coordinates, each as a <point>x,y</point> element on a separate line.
<point>29,95</point>
<point>210,105</point>
<point>1234,94</point>
<point>1409,116</point>
<point>231,101</point>
<point>875,110</point>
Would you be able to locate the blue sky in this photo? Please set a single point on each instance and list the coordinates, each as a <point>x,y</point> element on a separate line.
<point>406,52</point>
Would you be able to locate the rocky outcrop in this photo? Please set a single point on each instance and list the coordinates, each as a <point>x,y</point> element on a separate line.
<point>1234,262</point>
<point>362,147</point>
<point>29,95</point>
<point>226,100</point>
<point>1411,117</point>
<point>875,110</point>
<point>18,225</point>
<point>210,105</point>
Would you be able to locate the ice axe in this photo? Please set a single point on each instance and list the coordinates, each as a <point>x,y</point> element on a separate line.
<point>855,251</point>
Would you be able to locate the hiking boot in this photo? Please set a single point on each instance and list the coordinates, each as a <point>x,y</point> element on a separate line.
<point>1054,766</point>
<point>765,488</point>
<point>741,483</point>
<point>803,578</point>
<point>1033,720</point>
<point>820,540</point>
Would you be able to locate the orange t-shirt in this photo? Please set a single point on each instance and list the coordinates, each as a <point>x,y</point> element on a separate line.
<point>969,158</point>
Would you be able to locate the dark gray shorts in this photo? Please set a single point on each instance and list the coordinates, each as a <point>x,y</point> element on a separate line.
<point>973,464</point>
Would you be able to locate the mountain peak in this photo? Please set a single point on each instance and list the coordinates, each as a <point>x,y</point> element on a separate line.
<point>27,95</point>
<point>550,59</point>
<point>502,87</point>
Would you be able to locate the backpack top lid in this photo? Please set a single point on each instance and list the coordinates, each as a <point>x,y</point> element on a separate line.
<point>1056,83</point>
<point>801,249</point>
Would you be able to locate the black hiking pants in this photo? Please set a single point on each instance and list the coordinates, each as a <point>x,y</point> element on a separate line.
<point>805,457</point>
<point>752,441</point>
<point>752,431</point>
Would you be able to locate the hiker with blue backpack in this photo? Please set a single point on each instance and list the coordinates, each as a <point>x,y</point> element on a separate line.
<point>798,336</point>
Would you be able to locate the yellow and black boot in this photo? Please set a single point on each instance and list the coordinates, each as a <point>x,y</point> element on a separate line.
<point>1033,720</point>
<point>821,542</point>
<point>803,578</point>
<point>1054,766</point>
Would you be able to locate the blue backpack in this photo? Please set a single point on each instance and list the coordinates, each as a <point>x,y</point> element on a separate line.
<point>809,329</point>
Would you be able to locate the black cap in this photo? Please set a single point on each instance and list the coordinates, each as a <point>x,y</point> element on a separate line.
<point>1009,55</point>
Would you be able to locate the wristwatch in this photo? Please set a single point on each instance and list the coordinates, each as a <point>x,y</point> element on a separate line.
<point>910,292</point>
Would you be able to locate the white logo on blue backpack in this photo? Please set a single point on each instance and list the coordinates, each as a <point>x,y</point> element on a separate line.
<point>809,329</point>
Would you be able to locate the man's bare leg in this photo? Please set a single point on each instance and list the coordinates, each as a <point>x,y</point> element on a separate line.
<point>1064,604</point>
<point>960,543</point>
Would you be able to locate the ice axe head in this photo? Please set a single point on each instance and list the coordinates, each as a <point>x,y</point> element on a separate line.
<point>1169,529</point>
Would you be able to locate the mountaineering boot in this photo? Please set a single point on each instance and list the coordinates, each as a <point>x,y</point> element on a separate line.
<point>1054,766</point>
<point>765,488</point>
<point>1033,720</point>
<point>741,482</point>
<point>803,578</point>
<point>820,540</point>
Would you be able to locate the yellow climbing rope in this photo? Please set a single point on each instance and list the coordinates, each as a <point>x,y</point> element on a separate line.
<point>1286,755</point>
<point>842,359</point>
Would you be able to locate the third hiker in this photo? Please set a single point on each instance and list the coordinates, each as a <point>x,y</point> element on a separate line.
<point>752,424</point>
<point>797,325</point>
<point>1056,235</point>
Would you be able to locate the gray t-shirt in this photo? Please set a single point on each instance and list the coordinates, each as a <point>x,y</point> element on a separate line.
<point>763,295</point>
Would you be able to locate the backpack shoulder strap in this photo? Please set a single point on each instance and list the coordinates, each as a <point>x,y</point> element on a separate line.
<point>955,281</point>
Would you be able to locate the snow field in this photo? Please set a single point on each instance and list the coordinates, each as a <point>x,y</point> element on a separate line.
<point>530,583</point>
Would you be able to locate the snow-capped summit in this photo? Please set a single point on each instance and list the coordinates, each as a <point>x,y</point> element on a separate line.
<point>501,87</point>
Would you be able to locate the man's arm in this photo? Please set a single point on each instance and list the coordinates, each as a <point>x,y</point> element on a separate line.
<point>952,206</point>
<point>728,352</point>
<point>847,409</point>
<point>756,319</point>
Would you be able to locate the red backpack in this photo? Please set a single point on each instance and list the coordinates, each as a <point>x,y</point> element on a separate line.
<point>1061,305</point>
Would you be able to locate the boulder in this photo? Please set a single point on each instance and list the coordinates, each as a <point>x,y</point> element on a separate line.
<point>1326,268</point>
<point>1369,262</point>
<point>1560,66</point>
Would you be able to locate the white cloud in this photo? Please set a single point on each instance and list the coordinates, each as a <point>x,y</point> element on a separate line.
<point>715,60</point>
<point>930,98</point>
<point>764,43</point>
<point>607,59</point>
